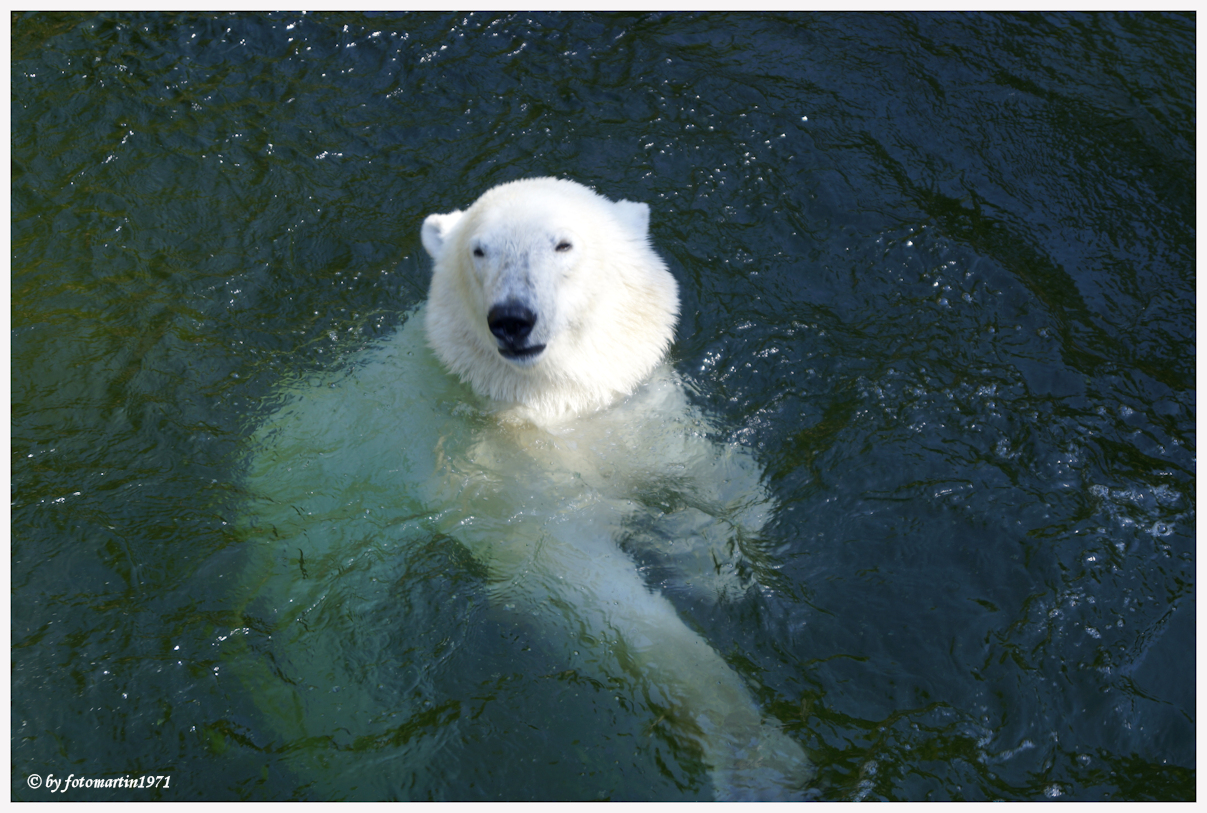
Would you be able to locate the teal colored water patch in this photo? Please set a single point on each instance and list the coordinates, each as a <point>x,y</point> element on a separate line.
<point>938,277</point>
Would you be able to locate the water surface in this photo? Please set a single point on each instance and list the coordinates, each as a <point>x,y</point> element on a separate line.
<point>937,271</point>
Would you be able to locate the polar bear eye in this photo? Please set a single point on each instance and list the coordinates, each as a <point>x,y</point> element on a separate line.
<point>478,252</point>
<point>564,246</point>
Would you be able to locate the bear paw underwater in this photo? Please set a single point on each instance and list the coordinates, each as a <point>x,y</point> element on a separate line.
<point>548,301</point>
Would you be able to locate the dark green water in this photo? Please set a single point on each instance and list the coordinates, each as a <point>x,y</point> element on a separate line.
<point>937,271</point>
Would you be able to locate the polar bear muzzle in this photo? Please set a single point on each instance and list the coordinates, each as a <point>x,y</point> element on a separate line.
<point>511,322</point>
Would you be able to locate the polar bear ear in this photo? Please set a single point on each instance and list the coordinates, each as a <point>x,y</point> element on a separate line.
<point>634,215</point>
<point>435,231</point>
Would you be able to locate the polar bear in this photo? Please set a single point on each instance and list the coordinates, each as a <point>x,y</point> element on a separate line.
<point>548,295</point>
<point>539,454</point>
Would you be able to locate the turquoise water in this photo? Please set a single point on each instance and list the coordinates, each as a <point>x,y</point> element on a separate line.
<point>937,274</point>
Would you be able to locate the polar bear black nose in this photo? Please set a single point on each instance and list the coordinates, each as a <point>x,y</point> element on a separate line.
<point>511,323</point>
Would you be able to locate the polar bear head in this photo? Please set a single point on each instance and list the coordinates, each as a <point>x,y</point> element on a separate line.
<point>548,295</point>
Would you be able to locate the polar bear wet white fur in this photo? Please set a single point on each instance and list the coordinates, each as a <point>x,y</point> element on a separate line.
<point>572,444</point>
<point>548,295</point>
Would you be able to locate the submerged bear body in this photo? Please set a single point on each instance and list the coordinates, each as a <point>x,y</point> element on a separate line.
<point>549,303</point>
